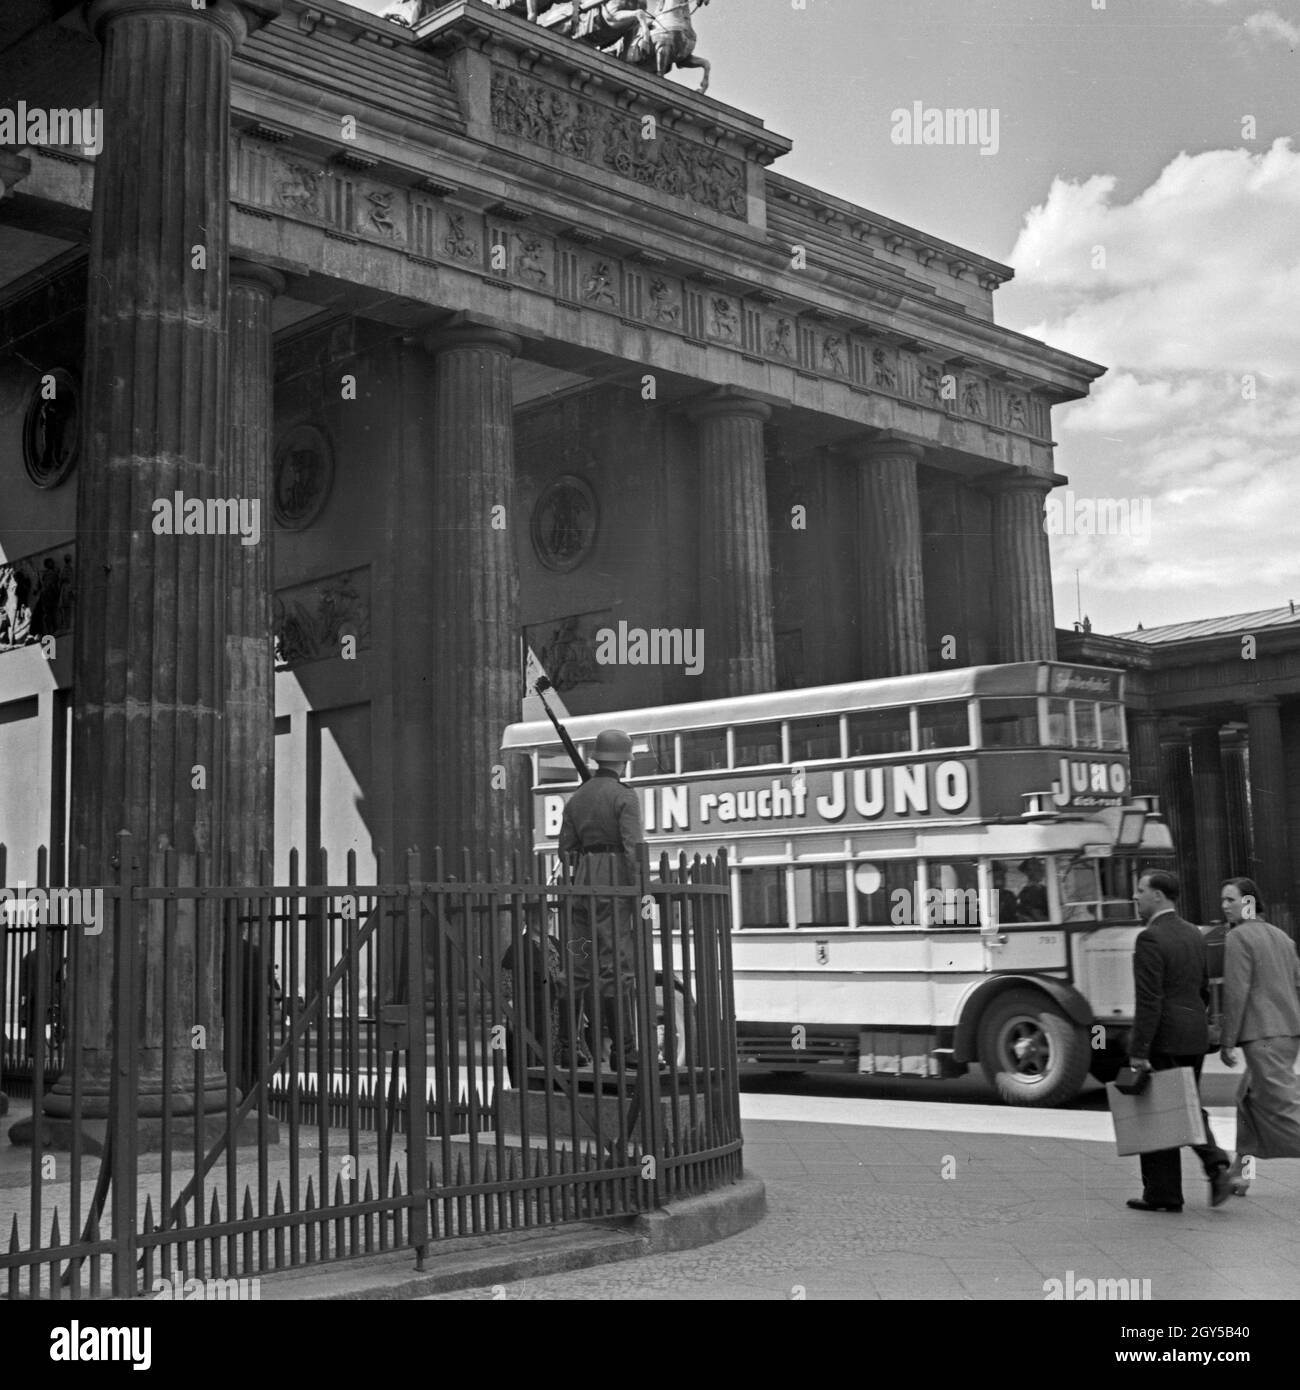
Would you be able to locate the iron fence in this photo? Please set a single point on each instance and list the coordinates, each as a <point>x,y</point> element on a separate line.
<point>225,1081</point>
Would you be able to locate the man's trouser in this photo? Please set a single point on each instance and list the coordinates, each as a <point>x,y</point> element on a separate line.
<point>1162,1171</point>
<point>602,947</point>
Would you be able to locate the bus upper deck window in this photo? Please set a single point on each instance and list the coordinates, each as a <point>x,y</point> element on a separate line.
<point>704,750</point>
<point>757,744</point>
<point>1058,724</point>
<point>1009,723</point>
<point>1085,725</point>
<point>652,755</point>
<point>811,739</point>
<point>873,731</point>
<point>943,726</point>
<point>1112,726</point>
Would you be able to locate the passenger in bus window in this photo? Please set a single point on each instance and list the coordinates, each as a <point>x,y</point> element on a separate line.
<point>1079,892</point>
<point>1008,909</point>
<point>1031,901</point>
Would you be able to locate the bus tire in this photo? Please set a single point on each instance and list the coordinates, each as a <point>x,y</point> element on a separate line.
<point>1030,1051</point>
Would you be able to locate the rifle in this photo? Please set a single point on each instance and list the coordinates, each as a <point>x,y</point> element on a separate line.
<point>541,686</point>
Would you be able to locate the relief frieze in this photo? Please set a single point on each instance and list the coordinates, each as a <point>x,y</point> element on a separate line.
<point>594,134</point>
<point>586,276</point>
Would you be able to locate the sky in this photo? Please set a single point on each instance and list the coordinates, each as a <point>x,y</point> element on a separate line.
<point>1146,190</point>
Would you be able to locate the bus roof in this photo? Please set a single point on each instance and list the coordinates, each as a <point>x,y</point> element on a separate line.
<point>1020,678</point>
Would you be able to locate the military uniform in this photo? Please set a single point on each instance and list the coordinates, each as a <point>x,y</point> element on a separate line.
<point>602,828</point>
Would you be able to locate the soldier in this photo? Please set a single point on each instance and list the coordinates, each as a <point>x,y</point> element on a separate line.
<point>602,827</point>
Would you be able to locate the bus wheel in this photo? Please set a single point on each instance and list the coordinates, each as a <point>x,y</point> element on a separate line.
<point>1030,1051</point>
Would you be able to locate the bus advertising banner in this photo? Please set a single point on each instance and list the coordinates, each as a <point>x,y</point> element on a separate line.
<point>978,786</point>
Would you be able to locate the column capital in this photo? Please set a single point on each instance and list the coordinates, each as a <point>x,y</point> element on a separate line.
<point>1022,480</point>
<point>462,332</point>
<point>238,18</point>
<point>729,403</point>
<point>1264,702</point>
<point>879,446</point>
<point>254,273</point>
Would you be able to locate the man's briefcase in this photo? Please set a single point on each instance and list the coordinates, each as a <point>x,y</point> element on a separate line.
<point>1165,1116</point>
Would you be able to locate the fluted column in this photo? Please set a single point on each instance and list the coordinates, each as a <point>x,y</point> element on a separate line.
<point>1022,569</point>
<point>891,584</point>
<point>1210,813</point>
<point>735,548</point>
<point>149,678</point>
<point>1144,753</point>
<point>476,677</point>
<point>250,659</point>
<point>1268,838</point>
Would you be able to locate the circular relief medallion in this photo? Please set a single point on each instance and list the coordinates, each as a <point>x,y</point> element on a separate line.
<point>304,474</point>
<point>52,428</point>
<point>565,521</point>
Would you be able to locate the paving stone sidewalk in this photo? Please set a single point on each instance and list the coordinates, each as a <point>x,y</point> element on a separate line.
<point>864,1212</point>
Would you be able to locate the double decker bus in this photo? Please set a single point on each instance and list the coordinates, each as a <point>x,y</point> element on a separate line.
<point>926,871</point>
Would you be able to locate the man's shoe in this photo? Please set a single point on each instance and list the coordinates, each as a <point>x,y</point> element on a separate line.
<point>1220,1186</point>
<point>1138,1204</point>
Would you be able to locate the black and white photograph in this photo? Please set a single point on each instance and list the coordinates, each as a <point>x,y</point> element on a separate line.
<point>649,652</point>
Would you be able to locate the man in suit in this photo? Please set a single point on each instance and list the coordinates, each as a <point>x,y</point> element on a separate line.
<point>602,834</point>
<point>1171,1029</point>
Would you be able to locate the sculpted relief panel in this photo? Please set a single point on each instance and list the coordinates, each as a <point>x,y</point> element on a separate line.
<point>594,134</point>
<point>504,246</point>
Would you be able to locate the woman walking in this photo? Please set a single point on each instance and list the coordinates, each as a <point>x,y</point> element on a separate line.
<point>1261,1012</point>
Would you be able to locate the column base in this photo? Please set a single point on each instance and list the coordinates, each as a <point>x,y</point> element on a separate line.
<point>56,1133</point>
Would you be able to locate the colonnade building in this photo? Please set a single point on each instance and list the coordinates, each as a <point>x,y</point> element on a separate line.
<point>360,357</point>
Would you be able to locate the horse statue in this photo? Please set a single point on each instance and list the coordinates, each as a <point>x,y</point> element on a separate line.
<point>407,13</point>
<point>668,39</point>
<point>599,23</point>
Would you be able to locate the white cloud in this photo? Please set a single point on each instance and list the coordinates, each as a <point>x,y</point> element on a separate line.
<point>1270,25</point>
<point>1196,311</point>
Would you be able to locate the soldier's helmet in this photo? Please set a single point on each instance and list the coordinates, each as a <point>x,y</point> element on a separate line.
<point>612,746</point>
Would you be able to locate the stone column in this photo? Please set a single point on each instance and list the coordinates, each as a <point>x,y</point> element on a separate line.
<point>1268,838</point>
<point>1022,570</point>
<point>1210,812</point>
<point>1144,752</point>
<point>477,675</point>
<point>735,548</point>
<point>250,661</point>
<point>891,586</point>
<point>149,679</point>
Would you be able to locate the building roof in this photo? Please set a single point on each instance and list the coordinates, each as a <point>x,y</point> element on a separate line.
<point>1214,627</point>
